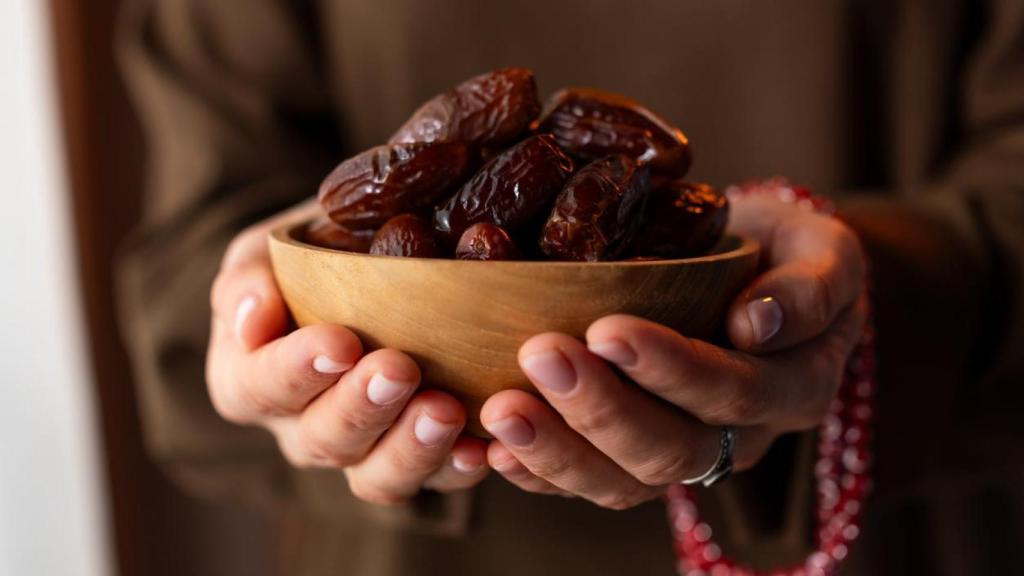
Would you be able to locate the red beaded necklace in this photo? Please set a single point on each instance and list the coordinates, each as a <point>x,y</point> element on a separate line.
<point>843,467</point>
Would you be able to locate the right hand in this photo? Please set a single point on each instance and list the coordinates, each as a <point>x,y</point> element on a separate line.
<point>327,404</point>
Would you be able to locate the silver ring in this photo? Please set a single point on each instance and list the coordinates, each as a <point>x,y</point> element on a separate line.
<point>723,465</point>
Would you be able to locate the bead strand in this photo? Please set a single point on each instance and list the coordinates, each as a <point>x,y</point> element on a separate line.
<point>843,468</point>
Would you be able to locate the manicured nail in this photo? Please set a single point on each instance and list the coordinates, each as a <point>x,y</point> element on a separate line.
<point>430,432</point>
<point>242,313</point>
<point>614,351</point>
<point>463,466</point>
<point>551,370</point>
<point>765,318</point>
<point>382,391</point>
<point>512,430</point>
<point>325,365</point>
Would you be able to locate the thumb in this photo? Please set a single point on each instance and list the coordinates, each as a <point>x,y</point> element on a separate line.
<point>246,302</point>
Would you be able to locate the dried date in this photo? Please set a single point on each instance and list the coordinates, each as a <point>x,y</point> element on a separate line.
<point>405,235</point>
<point>326,234</point>
<point>681,219</point>
<point>596,214</point>
<point>382,182</point>
<point>485,241</point>
<point>510,190</point>
<point>590,124</point>
<point>491,109</point>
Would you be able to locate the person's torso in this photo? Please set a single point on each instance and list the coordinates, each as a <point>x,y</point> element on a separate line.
<point>760,88</point>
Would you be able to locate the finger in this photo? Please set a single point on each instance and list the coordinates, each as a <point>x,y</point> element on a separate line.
<point>464,468</point>
<point>411,451</point>
<point>757,217</point>
<point>817,271</point>
<point>247,307</point>
<point>245,299</point>
<point>340,427</point>
<point>281,377</point>
<point>545,444</point>
<point>788,390</point>
<point>502,460</point>
<point>652,440</point>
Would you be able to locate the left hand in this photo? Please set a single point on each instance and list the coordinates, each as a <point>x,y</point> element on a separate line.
<point>617,442</point>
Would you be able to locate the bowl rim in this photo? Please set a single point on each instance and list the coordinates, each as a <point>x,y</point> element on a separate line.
<point>283,234</point>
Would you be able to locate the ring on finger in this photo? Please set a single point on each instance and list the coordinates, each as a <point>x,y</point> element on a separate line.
<point>722,467</point>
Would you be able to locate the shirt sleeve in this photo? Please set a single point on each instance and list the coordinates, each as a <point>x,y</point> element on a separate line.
<point>238,128</point>
<point>949,253</point>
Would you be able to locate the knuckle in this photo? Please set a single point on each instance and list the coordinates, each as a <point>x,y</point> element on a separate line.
<point>322,447</point>
<point>376,495</point>
<point>295,458</point>
<point>535,487</point>
<point>516,472</point>
<point>552,468</point>
<point>255,402</point>
<point>416,461</point>
<point>227,410</point>
<point>666,469</point>
<point>619,501</point>
<point>285,437</point>
<point>359,422</point>
<point>743,404</point>
<point>326,455</point>
<point>232,402</point>
<point>297,461</point>
<point>596,419</point>
<point>295,387</point>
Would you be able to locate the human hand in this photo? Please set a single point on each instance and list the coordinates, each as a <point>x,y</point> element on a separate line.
<point>616,442</point>
<point>327,404</point>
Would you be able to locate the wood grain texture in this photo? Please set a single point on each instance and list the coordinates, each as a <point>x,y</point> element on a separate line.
<point>464,321</point>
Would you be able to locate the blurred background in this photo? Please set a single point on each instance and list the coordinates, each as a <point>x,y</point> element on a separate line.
<point>77,494</point>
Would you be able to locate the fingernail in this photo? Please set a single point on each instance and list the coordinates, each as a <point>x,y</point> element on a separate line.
<point>512,430</point>
<point>614,351</point>
<point>382,391</point>
<point>551,370</point>
<point>463,466</point>
<point>325,365</point>
<point>242,313</point>
<point>430,432</point>
<point>765,318</point>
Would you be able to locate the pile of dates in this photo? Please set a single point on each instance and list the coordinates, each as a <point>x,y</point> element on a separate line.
<point>482,172</point>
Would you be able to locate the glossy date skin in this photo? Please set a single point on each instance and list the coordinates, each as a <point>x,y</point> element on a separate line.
<point>405,235</point>
<point>485,241</point>
<point>368,189</point>
<point>681,219</point>
<point>491,109</point>
<point>591,124</point>
<point>597,213</point>
<point>510,190</point>
<point>326,234</point>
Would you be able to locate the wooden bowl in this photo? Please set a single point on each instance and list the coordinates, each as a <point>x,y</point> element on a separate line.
<point>464,321</point>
